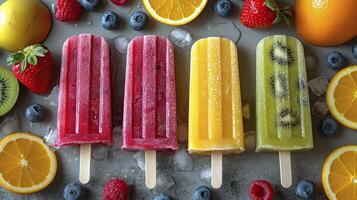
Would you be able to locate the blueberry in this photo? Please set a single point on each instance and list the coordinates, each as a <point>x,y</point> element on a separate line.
<point>223,7</point>
<point>89,4</point>
<point>335,60</point>
<point>202,193</point>
<point>138,20</point>
<point>161,197</point>
<point>110,20</point>
<point>354,50</point>
<point>329,127</point>
<point>305,189</point>
<point>73,191</point>
<point>35,113</point>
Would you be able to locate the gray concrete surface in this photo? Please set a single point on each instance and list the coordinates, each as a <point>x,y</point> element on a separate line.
<point>239,170</point>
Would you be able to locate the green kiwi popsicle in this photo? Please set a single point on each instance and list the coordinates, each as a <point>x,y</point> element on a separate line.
<point>283,108</point>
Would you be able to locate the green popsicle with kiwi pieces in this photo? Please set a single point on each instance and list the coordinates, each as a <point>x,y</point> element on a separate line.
<point>9,90</point>
<point>283,108</point>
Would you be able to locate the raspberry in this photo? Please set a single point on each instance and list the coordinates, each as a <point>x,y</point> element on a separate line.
<point>115,189</point>
<point>120,2</point>
<point>261,190</point>
<point>68,10</point>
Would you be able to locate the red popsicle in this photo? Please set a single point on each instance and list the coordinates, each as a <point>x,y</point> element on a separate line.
<point>84,111</point>
<point>150,97</point>
<point>150,100</point>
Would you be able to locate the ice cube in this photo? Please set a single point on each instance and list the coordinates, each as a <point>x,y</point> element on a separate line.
<point>117,138</point>
<point>182,132</point>
<point>250,141</point>
<point>164,182</point>
<point>130,175</point>
<point>140,160</point>
<point>205,175</point>
<point>53,8</point>
<point>100,152</point>
<point>320,109</point>
<point>318,85</point>
<point>51,137</point>
<point>53,97</point>
<point>311,63</point>
<point>9,125</point>
<point>182,161</point>
<point>121,44</point>
<point>180,37</point>
<point>139,5</point>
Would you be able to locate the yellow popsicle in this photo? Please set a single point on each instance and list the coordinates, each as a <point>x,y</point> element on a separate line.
<point>215,112</point>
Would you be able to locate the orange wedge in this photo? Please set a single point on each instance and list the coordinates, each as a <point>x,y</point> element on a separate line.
<point>27,165</point>
<point>175,12</point>
<point>341,97</point>
<point>339,174</point>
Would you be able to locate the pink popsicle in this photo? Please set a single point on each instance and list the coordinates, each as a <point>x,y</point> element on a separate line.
<point>150,98</point>
<point>84,112</point>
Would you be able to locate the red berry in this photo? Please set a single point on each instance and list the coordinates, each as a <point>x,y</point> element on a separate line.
<point>262,13</point>
<point>115,189</point>
<point>120,2</point>
<point>261,190</point>
<point>68,10</point>
<point>33,67</point>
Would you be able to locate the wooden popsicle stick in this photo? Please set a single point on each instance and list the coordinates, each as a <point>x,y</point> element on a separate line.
<point>216,170</point>
<point>285,169</point>
<point>150,168</point>
<point>84,163</point>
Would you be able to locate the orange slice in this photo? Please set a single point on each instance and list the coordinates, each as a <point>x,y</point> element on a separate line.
<point>339,174</point>
<point>175,12</point>
<point>341,97</point>
<point>27,165</point>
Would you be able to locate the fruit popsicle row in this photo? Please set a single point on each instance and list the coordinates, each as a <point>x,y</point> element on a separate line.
<point>215,110</point>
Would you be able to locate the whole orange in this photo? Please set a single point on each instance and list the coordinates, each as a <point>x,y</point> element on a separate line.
<point>326,22</point>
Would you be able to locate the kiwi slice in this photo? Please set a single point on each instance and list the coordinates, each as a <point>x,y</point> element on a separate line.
<point>9,90</point>
<point>281,54</point>
<point>280,86</point>
<point>288,118</point>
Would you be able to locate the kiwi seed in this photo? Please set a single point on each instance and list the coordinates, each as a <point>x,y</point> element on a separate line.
<point>281,54</point>
<point>9,90</point>
<point>280,87</point>
<point>288,118</point>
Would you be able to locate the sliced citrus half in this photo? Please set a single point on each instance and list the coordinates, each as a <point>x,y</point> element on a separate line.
<point>27,165</point>
<point>339,174</point>
<point>175,12</point>
<point>341,97</point>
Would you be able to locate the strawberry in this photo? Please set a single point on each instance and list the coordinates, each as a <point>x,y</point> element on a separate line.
<point>263,13</point>
<point>33,67</point>
<point>68,10</point>
<point>120,2</point>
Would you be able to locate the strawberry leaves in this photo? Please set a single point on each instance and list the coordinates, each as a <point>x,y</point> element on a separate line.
<point>27,56</point>
<point>284,13</point>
